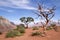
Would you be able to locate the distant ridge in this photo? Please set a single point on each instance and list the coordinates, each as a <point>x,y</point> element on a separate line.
<point>5,25</point>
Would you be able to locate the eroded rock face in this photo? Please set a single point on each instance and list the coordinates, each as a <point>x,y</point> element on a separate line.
<point>5,25</point>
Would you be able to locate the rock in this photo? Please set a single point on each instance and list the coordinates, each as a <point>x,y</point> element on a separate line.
<point>5,25</point>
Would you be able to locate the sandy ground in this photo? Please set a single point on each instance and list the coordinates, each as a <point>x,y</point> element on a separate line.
<point>51,35</point>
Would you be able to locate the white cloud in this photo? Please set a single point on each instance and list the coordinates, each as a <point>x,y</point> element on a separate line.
<point>21,4</point>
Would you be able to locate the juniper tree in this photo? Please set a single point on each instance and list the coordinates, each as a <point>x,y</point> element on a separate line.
<point>26,20</point>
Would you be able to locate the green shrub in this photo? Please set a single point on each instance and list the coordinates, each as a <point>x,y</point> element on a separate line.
<point>16,32</point>
<point>55,28</point>
<point>20,26</point>
<point>49,28</point>
<point>35,28</point>
<point>53,24</point>
<point>13,33</point>
<point>36,33</point>
<point>21,29</point>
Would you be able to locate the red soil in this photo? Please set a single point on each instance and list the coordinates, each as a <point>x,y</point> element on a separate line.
<point>51,35</point>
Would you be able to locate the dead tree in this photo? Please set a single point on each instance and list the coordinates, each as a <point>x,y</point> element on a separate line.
<point>46,14</point>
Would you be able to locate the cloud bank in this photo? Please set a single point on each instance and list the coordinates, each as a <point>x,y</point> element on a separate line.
<point>20,4</point>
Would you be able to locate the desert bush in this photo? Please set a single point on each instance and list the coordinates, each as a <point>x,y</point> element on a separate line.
<point>13,33</point>
<point>21,29</point>
<point>53,24</point>
<point>36,33</point>
<point>49,28</point>
<point>54,27</point>
<point>22,25</point>
<point>35,28</point>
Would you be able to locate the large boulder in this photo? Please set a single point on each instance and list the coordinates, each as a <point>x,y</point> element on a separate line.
<point>5,25</point>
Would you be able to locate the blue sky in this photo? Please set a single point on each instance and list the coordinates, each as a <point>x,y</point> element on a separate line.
<point>13,10</point>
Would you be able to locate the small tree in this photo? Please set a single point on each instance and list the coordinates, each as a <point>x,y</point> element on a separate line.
<point>46,13</point>
<point>26,20</point>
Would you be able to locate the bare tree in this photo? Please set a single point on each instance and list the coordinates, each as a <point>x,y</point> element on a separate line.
<point>46,13</point>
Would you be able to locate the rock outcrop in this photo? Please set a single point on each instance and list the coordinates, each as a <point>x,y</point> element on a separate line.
<point>5,25</point>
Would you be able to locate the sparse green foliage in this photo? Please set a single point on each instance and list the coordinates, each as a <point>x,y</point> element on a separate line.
<point>16,32</point>
<point>35,28</point>
<point>49,28</point>
<point>53,24</point>
<point>36,33</point>
<point>13,33</point>
<point>21,29</point>
<point>22,25</point>
<point>55,28</point>
<point>26,20</point>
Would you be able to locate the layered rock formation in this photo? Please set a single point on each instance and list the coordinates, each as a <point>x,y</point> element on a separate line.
<point>5,25</point>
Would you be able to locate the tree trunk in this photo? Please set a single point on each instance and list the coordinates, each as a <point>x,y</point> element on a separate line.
<point>44,27</point>
<point>26,25</point>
